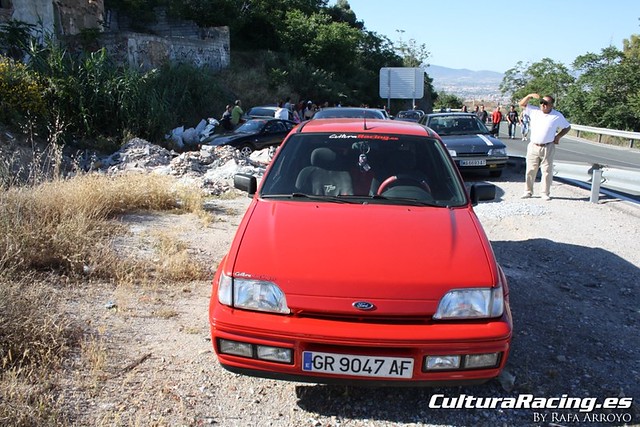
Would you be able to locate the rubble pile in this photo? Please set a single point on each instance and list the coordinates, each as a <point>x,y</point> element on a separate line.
<point>211,168</point>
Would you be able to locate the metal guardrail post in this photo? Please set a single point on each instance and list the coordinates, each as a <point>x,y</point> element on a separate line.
<point>596,180</point>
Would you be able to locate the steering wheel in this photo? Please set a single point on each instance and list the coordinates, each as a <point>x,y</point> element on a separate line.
<point>393,178</point>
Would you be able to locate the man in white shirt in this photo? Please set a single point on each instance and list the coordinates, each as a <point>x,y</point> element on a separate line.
<point>544,136</point>
<point>281,112</point>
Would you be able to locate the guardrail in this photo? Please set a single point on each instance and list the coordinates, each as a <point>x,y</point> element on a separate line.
<point>619,180</point>
<point>631,136</point>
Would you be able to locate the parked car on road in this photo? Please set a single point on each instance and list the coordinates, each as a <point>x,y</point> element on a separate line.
<point>350,112</point>
<point>255,134</point>
<point>410,115</point>
<point>360,260</point>
<point>469,142</point>
<point>260,112</point>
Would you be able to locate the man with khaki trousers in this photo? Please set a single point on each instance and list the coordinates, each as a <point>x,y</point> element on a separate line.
<point>544,136</point>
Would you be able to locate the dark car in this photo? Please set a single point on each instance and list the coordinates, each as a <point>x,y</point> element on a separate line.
<point>350,112</point>
<point>260,112</point>
<point>410,115</point>
<point>469,142</point>
<point>255,134</point>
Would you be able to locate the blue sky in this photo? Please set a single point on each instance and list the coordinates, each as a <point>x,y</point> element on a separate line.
<point>461,34</point>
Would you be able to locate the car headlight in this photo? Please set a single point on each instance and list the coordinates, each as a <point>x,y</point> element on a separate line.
<point>498,152</point>
<point>249,294</point>
<point>475,303</point>
<point>453,153</point>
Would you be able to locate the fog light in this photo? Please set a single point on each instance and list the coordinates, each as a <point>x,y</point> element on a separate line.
<point>235,347</point>
<point>276,354</point>
<point>489,360</point>
<point>434,363</point>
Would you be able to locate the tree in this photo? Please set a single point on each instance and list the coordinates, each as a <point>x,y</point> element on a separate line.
<point>545,77</point>
<point>631,46</point>
<point>341,12</point>
<point>412,54</point>
<point>447,100</point>
<point>607,93</point>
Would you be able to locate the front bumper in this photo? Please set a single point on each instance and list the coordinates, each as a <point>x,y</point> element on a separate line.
<point>368,339</point>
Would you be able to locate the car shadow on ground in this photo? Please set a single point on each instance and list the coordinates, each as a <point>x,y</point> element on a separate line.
<point>576,318</point>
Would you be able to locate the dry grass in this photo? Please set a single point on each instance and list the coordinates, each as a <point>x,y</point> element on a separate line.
<point>34,340</point>
<point>62,224</point>
<point>56,234</point>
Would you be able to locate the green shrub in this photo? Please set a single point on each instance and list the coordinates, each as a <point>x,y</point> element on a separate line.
<point>21,91</point>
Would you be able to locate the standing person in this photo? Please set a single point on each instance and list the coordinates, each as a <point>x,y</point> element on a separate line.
<point>524,126</point>
<point>225,121</point>
<point>496,118</point>
<point>282,112</point>
<point>512,118</point>
<point>545,122</point>
<point>309,110</point>
<point>287,104</point>
<point>236,113</point>
<point>483,115</point>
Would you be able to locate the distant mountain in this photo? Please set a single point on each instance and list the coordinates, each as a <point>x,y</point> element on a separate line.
<point>467,84</point>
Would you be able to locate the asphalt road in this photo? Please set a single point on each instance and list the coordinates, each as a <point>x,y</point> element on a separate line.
<point>578,150</point>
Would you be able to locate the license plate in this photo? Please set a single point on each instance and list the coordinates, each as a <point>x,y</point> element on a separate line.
<point>364,366</point>
<point>480,162</point>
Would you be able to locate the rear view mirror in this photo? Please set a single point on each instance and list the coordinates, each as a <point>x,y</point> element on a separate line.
<point>482,192</point>
<point>245,182</point>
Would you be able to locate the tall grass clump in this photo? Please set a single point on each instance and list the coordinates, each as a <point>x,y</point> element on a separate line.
<point>35,339</point>
<point>63,224</point>
<point>95,96</point>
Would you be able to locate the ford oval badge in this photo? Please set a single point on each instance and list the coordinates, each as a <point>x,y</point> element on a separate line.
<point>363,305</point>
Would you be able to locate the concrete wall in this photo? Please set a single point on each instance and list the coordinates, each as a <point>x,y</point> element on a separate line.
<point>34,12</point>
<point>60,17</point>
<point>169,39</point>
<point>148,51</point>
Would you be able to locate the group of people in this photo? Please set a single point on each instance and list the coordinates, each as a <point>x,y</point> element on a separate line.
<point>232,115</point>
<point>286,110</point>
<point>296,112</point>
<point>512,117</point>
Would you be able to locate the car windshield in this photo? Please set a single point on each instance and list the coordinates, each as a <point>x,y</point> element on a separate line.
<point>251,126</point>
<point>364,168</point>
<point>445,125</point>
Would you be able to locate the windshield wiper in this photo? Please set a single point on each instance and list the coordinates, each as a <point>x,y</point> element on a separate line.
<point>334,199</point>
<point>405,201</point>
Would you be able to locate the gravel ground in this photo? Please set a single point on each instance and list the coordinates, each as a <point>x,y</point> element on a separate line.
<point>573,269</point>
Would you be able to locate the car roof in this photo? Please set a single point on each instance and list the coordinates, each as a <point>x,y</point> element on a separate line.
<point>341,111</point>
<point>368,126</point>
<point>452,113</point>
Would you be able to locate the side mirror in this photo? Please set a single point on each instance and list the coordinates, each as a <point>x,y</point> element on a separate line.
<point>245,182</point>
<point>481,192</point>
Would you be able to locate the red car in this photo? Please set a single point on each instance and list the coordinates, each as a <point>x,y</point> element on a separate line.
<point>360,259</point>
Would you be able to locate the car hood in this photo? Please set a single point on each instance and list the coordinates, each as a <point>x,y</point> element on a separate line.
<point>327,256</point>
<point>476,143</point>
<point>229,138</point>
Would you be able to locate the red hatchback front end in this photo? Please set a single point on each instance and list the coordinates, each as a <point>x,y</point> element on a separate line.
<point>360,259</point>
